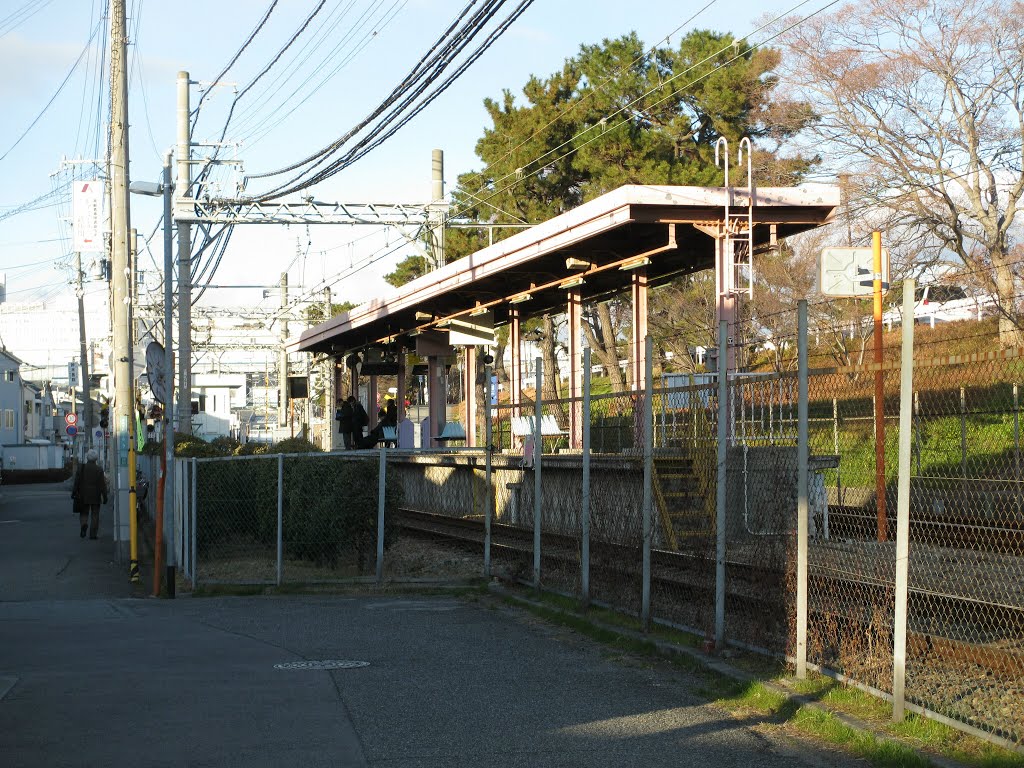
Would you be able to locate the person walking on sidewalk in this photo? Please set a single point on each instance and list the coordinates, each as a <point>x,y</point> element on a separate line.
<point>89,489</point>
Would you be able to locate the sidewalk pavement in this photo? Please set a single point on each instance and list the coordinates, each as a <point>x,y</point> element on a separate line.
<point>93,675</point>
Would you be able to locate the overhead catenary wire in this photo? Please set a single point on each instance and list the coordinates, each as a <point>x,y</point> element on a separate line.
<point>401,105</point>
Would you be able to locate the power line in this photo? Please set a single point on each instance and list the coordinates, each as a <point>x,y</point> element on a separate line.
<point>253,131</point>
<point>404,101</point>
<point>238,53</point>
<point>53,98</point>
<point>19,16</point>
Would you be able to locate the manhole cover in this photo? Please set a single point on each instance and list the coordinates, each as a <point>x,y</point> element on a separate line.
<point>323,664</point>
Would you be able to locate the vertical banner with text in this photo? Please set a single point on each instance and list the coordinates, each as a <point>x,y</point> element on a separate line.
<point>87,216</point>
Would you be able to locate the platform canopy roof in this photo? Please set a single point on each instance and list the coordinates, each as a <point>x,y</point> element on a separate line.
<point>668,230</point>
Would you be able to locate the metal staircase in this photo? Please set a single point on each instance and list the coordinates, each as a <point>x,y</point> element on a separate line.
<point>684,490</point>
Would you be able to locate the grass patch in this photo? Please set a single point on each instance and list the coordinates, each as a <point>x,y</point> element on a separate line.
<point>881,752</point>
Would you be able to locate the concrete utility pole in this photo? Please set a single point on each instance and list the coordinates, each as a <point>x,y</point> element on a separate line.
<point>330,367</point>
<point>183,191</point>
<point>437,209</point>
<point>83,353</point>
<point>120,226</point>
<point>282,371</point>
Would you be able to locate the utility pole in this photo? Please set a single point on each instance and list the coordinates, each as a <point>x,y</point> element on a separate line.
<point>438,209</point>
<point>124,402</point>
<point>330,393</point>
<point>282,371</point>
<point>83,363</point>
<point>183,191</point>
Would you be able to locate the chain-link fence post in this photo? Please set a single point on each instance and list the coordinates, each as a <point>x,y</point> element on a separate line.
<point>899,650</point>
<point>720,488</point>
<point>488,478</point>
<point>1016,434</point>
<point>585,510</point>
<point>537,446</point>
<point>381,489</point>
<point>645,599</point>
<point>963,432</point>
<point>802,452</point>
<point>280,516</point>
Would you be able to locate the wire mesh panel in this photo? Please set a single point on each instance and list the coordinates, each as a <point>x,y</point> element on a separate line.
<point>965,634</point>
<point>236,520</point>
<point>616,499</point>
<point>684,493</point>
<point>761,509</point>
<point>851,573</point>
<point>440,532</point>
<point>329,516</point>
<point>561,500</point>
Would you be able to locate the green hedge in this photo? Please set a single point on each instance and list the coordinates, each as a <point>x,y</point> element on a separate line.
<point>329,507</point>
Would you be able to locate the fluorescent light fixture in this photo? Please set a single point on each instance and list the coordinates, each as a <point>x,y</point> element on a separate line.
<point>423,316</point>
<point>573,282</point>
<point>520,298</point>
<point>643,261</point>
<point>149,188</point>
<point>444,323</point>
<point>571,263</point>
<point>479,311</point>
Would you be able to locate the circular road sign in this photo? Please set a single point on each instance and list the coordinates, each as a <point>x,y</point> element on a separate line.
<point>71,418</point>
<point>72,430</point>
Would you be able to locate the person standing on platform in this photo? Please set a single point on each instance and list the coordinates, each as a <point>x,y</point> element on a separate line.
<point>345,422</point>
<point>89,490</point>
<point>360,419</point>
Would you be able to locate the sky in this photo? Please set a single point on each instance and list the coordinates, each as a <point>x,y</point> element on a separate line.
<point>50,115</point>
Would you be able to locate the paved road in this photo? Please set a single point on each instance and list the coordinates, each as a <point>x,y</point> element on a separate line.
<point>92,676</point>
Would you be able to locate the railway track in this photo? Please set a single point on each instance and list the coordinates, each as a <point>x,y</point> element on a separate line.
<point>970,531</point>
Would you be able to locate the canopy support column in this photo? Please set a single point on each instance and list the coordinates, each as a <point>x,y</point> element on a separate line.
<point>469,379</point>
<point>437,397</point>
<point>638,350</point>
<point>576,373</point>
<point>516,372</point>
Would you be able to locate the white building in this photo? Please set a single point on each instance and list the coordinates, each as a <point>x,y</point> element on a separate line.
<point>45,335</point>
<point>215,399</point>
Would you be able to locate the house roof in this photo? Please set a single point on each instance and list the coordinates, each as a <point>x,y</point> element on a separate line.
<point>11,356</point>
<point>668,226</point>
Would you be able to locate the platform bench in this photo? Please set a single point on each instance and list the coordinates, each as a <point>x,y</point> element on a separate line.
<point>523,426</point>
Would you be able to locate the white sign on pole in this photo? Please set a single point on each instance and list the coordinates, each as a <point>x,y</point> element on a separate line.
<point>850,271</point>
<point>87,216</point>
<point>472,331</point>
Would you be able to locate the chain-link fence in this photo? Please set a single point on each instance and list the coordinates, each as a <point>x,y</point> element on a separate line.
<point>964,648</point>
<point>620,498</point>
